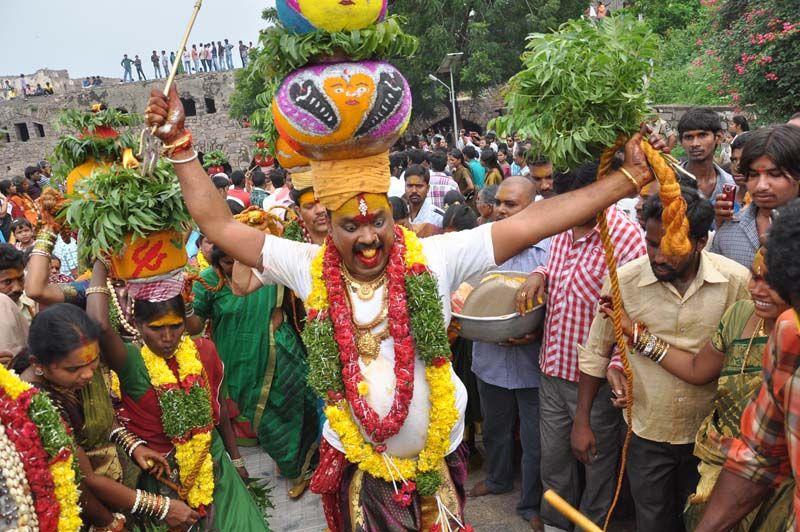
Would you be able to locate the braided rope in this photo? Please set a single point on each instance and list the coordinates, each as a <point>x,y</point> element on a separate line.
<point>674,242</point>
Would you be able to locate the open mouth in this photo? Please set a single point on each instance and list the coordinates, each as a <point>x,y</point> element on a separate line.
<point>369,258</point>
<point>346,3</point>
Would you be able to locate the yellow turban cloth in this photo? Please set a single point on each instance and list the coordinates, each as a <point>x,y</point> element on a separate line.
<point>301,180</point>
<point>335,182</point>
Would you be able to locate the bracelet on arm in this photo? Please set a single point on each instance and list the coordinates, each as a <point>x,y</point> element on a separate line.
<point>117,525</point>
<point>125,439</point>
<point>182,161</point>
<point>632,179</point>
<point>150,505</point>
<point>98,290</point>
<point>238,462</point>
<point>183,143</point>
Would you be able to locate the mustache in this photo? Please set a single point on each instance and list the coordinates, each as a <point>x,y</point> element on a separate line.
<point>359,247</point>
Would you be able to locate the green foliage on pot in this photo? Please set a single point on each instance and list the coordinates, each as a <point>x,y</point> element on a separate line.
<point>280,52</point>
<point>214,158</point>
<point>582,86</point>
<point>89,137</point>
<point>115,202</point>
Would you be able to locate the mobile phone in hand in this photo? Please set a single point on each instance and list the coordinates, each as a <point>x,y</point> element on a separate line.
<point>729,191</point>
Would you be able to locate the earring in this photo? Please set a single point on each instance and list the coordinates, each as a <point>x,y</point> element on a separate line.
<point>38,372</point>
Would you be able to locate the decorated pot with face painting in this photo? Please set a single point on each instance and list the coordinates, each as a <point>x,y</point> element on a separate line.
<point>342,110</point>
<point>288,156</point>
<point>304,16</point>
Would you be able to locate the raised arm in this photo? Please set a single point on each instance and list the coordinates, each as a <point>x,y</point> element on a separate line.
<point>555,215</point>
<point>205,204</point>
<point>243,280</point>
<point>112,347</point>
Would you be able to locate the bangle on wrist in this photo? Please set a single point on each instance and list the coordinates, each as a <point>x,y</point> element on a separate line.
<point>182,161</point>
<point>99,290</point>
<point>238,462</point>
<point>632,179</point>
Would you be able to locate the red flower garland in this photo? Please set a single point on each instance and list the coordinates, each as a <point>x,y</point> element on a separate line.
<point>24,434</point>
<point>377,429</point>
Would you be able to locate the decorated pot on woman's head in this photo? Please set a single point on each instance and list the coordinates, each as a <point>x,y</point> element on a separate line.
<point>342,110</point>
<point>288,156</point>
<point>304,16</point>
<point>155,255</point>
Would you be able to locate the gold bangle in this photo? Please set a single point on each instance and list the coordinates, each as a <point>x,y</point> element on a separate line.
<point>98,290</point>
<point>631,178</point>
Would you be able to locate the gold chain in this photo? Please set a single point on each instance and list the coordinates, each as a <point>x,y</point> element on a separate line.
<point>365,290</point>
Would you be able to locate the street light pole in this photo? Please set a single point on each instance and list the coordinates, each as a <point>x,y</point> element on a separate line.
<point>453,100</point>
<point>448,64</point>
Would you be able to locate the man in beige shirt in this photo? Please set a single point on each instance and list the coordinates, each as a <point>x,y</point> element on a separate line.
<point>680,300</point>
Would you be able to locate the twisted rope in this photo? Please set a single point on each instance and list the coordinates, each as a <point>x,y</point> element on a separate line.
<point>675,243</point>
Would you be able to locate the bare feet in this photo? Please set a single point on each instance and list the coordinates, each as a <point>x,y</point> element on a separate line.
<point>479,490</point>
<point>536,524</point>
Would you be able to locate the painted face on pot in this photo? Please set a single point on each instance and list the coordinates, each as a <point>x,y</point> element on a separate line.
<point>342,110</point>
<point>363,232</point>
<point>303,16</point>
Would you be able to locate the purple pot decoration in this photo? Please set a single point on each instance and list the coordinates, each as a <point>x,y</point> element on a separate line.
<point>343,110</point>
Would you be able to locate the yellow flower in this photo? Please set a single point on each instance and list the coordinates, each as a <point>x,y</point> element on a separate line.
<point>414,253</point>
<point>66,493</point>
<point>363,388</point>
<point>12,384</point>
<point>115,386</point>
<point>318,298</point>
<point>187,454</point>
<point>188,358</point>
<point>443,417</point>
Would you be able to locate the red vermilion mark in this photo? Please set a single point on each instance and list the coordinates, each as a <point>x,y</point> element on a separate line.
<point>147,257</point>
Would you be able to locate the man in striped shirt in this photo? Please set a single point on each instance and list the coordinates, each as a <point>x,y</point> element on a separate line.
<point>573,278</point>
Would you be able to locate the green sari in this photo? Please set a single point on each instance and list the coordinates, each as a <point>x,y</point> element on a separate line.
<point>265,371</point>
<point>738,383</point>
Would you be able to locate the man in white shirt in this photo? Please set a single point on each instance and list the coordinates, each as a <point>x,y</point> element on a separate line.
<point>423,211</point>
<point>364,239</point>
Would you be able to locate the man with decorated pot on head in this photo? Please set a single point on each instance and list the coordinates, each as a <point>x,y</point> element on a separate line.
<point>377,296</point>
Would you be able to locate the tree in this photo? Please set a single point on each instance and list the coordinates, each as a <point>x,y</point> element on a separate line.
<point>758,42</point>
<point>491,33</point>
<point>665,15</point>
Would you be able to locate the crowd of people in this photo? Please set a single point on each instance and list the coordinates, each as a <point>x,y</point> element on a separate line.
<point>712,335</point>
<point>201,57</point>
<point>23,89</point>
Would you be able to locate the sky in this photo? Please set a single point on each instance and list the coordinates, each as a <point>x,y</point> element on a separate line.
<point>88,37</point>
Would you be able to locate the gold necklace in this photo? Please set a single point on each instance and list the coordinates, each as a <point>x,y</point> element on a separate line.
<point>365,290</point>
<point>368,343</point>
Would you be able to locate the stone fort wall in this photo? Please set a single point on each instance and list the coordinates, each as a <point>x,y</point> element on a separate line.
<point>31,132</point>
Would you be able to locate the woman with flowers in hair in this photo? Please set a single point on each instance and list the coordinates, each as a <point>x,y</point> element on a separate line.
<point>171,390</point>
<point>63,362</point>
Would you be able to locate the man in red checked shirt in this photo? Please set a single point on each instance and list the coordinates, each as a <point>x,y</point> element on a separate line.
<point>768,450</point>
<point>573,278</point>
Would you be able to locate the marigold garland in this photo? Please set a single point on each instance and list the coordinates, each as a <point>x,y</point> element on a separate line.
<point>186,416</point>
<point>46,451</point>
<point>423,316</point>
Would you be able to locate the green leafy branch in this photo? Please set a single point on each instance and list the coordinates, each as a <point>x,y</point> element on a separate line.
<point>581,87</point>
<point>112,203</point>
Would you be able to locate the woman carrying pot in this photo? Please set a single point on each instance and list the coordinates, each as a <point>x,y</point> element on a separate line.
<point>171,390</point>
<point>63,361</point>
